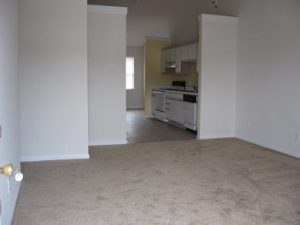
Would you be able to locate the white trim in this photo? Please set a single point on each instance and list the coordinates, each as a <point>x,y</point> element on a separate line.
<point>271,147</point>
<point>53,157</point>
<point>107,9</point>
<point>217,18</point>
<point>102,143</point>
<point>206,137</point>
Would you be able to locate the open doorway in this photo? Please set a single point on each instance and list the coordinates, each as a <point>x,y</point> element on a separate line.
<point>144,125</point>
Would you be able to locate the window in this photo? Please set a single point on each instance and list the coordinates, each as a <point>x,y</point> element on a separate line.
<point>129,73</point>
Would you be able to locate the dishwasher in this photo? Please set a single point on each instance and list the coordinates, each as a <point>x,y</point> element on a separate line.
<point>190,111</point>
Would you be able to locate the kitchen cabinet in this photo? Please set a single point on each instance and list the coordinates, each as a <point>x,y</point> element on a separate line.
<point>176,57</point>
<point>190,115</point>
<point>175,110</point>
<point>158,104</point>
<point>170,55</point>
<point>192,52</point>
<point>189,52</point>
<point>178,51</point>
<point>163,61</point>
<point>174,107</point>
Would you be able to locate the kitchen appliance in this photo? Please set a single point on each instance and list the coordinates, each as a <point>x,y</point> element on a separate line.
<point>170,67</point>
<point>158,105</point>
<point>190,111</point>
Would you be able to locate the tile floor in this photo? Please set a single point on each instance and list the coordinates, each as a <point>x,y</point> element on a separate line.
<point>142,129</point>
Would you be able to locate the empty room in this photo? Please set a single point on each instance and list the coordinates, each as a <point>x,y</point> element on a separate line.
<point>137,112</point>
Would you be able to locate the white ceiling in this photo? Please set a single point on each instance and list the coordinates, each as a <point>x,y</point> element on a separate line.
<point>175,19</point>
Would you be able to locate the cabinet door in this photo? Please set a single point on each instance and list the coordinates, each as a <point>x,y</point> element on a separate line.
<point>167,55</point>
<point>178,59</point>
<point>163,61</point>
<point>192,51</point>
<point>184,53</point>
<point>153,103</point>
<point>172,54</point>
<point>168,110</point>
<point>190,113</point>
<point>175,110</point>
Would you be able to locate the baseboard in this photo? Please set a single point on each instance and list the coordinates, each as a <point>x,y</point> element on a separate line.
<point>272,147</point>
<point>53,157</point>
<point>135,108</point>
<point>113,142</point>
<point>206,137</point>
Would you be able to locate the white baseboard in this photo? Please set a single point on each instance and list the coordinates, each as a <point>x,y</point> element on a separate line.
<point>271,147</point>
<point>53,157</point>
<point>206,137</point>
<point>114,142</point>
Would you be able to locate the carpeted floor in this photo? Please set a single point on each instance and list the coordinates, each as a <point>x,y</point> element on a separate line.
<point>217,182</point>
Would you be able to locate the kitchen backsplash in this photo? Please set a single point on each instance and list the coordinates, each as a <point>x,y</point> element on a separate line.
<point>190,79</point>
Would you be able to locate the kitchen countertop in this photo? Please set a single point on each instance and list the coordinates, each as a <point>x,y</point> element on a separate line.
<point>190,92</point>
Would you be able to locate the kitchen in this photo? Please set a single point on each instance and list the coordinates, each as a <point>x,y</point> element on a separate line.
<point>177,104</point>
<point>170,81</point>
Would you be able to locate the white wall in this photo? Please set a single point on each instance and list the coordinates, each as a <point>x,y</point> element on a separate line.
<point>168,18</point>
<point>218,76</point>
<point>268,93</point>
<point>135,97</point>
<point>106,75</point>
<point>53,78</point>
<point>9,117</point>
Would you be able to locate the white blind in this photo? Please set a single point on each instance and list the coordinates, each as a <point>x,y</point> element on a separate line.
<point>129,73</point>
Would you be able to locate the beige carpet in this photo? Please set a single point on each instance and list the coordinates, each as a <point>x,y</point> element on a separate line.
<point>218,182</point>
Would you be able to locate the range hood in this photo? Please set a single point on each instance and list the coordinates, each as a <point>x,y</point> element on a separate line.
<point>170,67</point>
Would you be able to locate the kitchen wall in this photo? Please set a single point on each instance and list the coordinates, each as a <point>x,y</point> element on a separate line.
<point>153,76</point>
<point>106,75</point>
<point>9,105</point>
<point>135,97</point>
<point>268,90</point>
<point>53,79</point>
<point>218,41</point>
<point>191,79</point>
